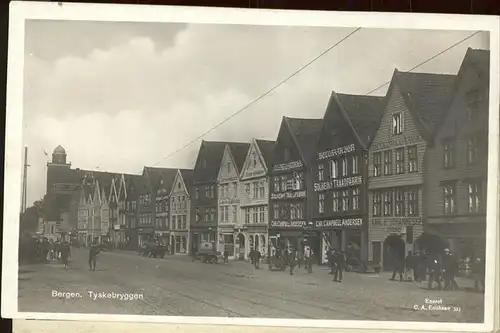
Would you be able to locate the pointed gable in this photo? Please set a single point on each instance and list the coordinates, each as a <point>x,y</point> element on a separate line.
<point>208,161</point>
<point>187,179</point>
<point>239,152</point>
<point>179,184</point>
<point>255,163</point>
<point>228,169</point>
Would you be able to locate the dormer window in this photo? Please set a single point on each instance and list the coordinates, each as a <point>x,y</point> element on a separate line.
<point>228,166</point>
<point>254,161</point>
<point>397,123</point>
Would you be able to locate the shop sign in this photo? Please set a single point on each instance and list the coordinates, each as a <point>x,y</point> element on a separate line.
<point>395,142</point>
<point>393,228</point>
<point>288,195</point>
<point>288,224</point>
<point>339,223</point>
<point>400,221</point>
<point>336,152</point>
<point>338,183</point>
<point>288,166</point>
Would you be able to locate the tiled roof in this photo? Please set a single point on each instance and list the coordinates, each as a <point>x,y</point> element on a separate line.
<point>187,176</point>
<point>155,175</point>
<point>211,152</point>
<point>305,132</point>
<point>364,113</point>
<point>239,151</point>
<point>425,95</point>
<point>267,149</point>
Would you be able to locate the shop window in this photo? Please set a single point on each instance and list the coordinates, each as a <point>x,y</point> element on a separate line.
<point>336,201</point>
<point>321,203</point>
<point>355,198</point>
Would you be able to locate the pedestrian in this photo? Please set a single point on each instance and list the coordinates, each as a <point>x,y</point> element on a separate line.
<point>339,263</point>
<point>226,256</point>
<point>257,256</point>
<point>435,272</point>
<point>308,259</point>
<point>478,270</point>
<point>65,253</point>
<point>399,263</point>
<point>410,266</point>
<point>252,256</point>
<point>94,251</point>
<point>450,268</point>
<point>292,260</point>
<point>331,262</point>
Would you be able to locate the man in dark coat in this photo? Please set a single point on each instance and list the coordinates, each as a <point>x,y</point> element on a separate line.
<point>65,250</point>
<point>331,260</point>
<point>399,263</point>
<point>93,252</point>
<point>450,269</point>
<point>292,260</point>
<point>339,262</point>
<point>435,272</point>
<point>257,256</point>
<point>252,256</point>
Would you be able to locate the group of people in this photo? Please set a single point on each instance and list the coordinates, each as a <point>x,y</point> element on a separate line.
<point>292,258</point>
<point>47,250</point>
<point>437,268</point>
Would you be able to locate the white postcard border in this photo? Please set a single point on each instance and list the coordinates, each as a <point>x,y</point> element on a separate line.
<point>21,11</point>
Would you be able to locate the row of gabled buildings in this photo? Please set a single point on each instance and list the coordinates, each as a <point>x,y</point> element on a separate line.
<point>402,171</point>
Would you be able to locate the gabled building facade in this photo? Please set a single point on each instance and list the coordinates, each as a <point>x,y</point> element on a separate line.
<point>180,211</point>
<point>457,158</point>
<point>413,105</point>
<point>291,188</point>
<point>254,196</point>
<point>229,215</point>
<point>133,183</point>
<point>146,207</point>
<point>204,200</point>
<point>340,212</point>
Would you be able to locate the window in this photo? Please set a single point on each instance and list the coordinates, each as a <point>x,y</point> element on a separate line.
<point>321,172</point>
<point>247,215</point>
<point>321,203</point>
<point>334,169</point>
<point>197,193</point>
<point>449,192</point>
<point>387,203</point>
<point>207,214</point>
<point>276,211</point>
<point>221,191</point>
<point>276,185</point>
<point>207,192</point>
<point>284,188</point>
<point>344,167</point>
<point>335,201</point>
<point>473,102</point>
<point>355,198</point>
<point>228,167</point>
<point>400,201</point>
<point>377,163</point>
<point>355,165</point>
<point>449,155</point>
<point>298,181</point>
<point>212,214</point>
<point>413,201</point>
<point>255,193</point>
<point>377,203</point>
<point>387,162</point>
<point>198,216</point>
<point>475,196</point>
<point>400,160</point>
<point>262,189</point>
<point>262,214</point>
<point>255,214</point>
<point>397,123</point>
<point>300,211</point>
<point>472,149</point>
<point>345,200</point>
<point>412,159</point>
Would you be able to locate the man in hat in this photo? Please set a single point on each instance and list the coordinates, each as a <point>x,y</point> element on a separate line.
<point>450,268</point>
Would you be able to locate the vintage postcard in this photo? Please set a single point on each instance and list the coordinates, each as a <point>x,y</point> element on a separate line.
<point>251,167</point>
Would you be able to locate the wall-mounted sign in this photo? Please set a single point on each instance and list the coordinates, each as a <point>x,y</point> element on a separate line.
<point>393,228</point>
<point>338,183</point>
<point>228,180</point>
<point>288,195</point>
<point>288,166</point>
<point>395,142</point>
<point>398,220</point>
<point>338,223</point>
<point>288,224</point>
<point>336,152</point>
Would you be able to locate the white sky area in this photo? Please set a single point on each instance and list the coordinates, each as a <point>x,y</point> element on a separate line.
<point>118,96</point>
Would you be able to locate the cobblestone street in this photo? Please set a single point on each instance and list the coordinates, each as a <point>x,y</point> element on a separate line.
<point>177,286</point>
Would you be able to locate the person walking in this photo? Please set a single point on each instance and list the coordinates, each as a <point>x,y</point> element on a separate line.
<point>308,259</point>
<point>65,253</point>
<point>331,260</point>
<point>292,260</point>
<point>226,256</point>
<point>450,269</point>
<point>399,263</point>
<point>435,273</point>
<point>257,256</point>
<point>410,266</point>
<point>94,251</point>
<point>339,263</point>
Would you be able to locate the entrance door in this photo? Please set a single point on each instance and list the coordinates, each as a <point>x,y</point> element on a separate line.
<point>241,242</point>
<point>394,250</point>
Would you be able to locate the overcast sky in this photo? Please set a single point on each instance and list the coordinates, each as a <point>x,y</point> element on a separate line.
<point>118,96</point>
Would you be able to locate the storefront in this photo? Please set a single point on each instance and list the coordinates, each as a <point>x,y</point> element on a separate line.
<point>257,239</point>
<point>145,235</point>
<point>345,234</point>
<point>163,237</point>
<point>179,242</point>
<point>227,240</point>
<point>286,234</point>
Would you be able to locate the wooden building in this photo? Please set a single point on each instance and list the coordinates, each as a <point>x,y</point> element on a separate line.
<point>457,158</point>
<point>340,213</point>
<point>414,103</point>
<point>180,211</point>
<point>291,188</point>
<point>254,194</point>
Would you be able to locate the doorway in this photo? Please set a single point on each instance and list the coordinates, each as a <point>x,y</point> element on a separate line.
<point>394,250</point>
<point>241,246</point>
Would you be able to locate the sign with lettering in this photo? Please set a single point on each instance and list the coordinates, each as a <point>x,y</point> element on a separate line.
<point>288,224</point>
<point>338,183</point>
<point>398,220</point>
<point>288,166</point>
<point>252,174</point>
<point>338,223</point>
<point>393,228</point>
<point>288,195</point>
<point>395,142</point>
<point>336,152</point>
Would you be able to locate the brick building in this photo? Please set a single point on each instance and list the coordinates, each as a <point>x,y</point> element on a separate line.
<point>340,213</point>
<point>456,173</point>
<point>231,236</point>
<point>254,194</point>
<point>291,188</point>
<point>414,103</point>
